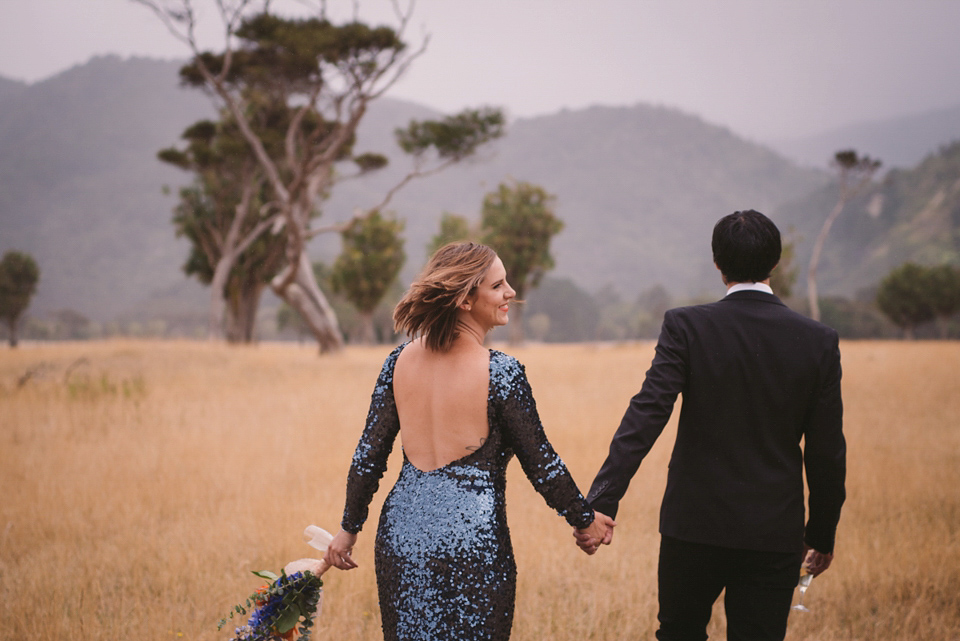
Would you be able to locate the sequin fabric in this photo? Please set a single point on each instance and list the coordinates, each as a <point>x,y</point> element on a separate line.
<point>444,561</point>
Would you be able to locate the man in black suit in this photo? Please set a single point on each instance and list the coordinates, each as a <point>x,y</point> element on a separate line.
<point>756,379</point>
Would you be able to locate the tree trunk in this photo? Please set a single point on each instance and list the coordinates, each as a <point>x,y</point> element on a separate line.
<point>249,305</point>
<point>242,317</point>
<point>218,293</point>
<point>366,335</point>
<point>815,259</point>
<point>13,325</point>
<point>303,294</point>
<point>517,335</point>
<point>233,330</point>
<point>230,250</point>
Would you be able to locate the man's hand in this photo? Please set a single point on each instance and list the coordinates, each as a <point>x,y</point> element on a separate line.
<point>816,562</point>
<point>597,533</point>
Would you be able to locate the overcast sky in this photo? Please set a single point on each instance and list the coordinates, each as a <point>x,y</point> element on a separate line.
<point>768,69</point>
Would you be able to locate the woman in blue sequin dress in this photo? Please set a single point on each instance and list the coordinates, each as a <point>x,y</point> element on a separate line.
<point>444,561</point>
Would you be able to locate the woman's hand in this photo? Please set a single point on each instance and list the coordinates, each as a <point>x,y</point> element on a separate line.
<point>340,549</point>
<point>597,533</point>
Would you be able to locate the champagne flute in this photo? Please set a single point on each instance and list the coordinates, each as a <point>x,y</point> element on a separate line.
<point>803,584</point>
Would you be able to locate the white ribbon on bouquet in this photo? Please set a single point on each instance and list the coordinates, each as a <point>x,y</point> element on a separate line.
<point>318,539</point>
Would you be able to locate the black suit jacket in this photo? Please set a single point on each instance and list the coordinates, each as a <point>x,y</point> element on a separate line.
<point>756,378</point>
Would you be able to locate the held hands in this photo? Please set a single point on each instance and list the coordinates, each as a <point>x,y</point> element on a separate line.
<point>597,533</point>
<point>339,550</point>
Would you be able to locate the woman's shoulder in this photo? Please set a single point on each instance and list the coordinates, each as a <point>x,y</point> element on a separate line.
<point>503,360</point>
<point>505,370</point>
<point>391,360</point>
<point>396,350</point>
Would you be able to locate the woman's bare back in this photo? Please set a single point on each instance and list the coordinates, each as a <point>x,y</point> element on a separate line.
<point>441,402</point>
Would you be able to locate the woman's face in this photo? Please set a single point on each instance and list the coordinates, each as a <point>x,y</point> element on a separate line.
<point>488,306</point>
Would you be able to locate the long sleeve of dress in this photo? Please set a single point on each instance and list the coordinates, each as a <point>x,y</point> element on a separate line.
<point>516,413</point>
<point>376,443</point>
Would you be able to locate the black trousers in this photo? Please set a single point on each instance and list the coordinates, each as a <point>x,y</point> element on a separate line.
<point>759,588</point>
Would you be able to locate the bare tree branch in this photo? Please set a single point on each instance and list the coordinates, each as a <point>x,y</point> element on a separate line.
<point>416,173</point>
<point>401,68</point>
<point>256,232</point>
<point>337,227</point>
<point>403,16</point>
<point>172,18</point>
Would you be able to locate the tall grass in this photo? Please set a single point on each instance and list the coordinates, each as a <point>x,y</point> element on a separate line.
<point>143,481</point>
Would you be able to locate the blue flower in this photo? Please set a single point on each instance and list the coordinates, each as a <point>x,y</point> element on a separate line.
<point>284,601</point>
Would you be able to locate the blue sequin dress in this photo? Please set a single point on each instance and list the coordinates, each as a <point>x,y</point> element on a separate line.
<point>444,561</point>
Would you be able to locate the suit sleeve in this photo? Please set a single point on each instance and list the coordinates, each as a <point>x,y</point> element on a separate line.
<point>644,420</point>
<point>824,457</point>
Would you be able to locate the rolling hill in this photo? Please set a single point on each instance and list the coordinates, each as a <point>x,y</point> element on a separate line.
<point>910,215</point>
<point>638,187</point>
<point>899,142</point>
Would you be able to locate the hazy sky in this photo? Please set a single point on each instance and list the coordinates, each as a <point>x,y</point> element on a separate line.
<point>767,69</point>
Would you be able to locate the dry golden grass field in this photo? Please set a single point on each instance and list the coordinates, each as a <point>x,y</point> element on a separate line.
<point>143,481</point>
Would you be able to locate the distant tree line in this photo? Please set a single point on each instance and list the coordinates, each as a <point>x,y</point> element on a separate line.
<point>234,251</point>
<point>561,311</point>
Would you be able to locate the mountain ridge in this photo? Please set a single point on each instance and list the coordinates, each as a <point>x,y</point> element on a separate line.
<point>638,188</point>
<point>901,141</point>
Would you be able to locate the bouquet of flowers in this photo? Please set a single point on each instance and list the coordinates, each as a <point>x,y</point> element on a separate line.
<point>288,601</point>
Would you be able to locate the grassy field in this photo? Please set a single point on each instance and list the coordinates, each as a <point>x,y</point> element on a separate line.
<point>143,481</point>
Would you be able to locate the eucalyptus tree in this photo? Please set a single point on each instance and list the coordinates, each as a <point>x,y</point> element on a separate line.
<point>19,276</point>
<point>221,214</point>
<point>854,172</point>
<point>905,297</point>
<point>371,259</point>
<point>518,221</point>
<point>236,246</point>
<point>944,287</point>
<point>325,75</point>
<point>453,228</point>
<point>234,300</point>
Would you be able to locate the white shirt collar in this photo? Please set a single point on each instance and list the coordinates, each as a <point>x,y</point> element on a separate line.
<point>750,287</point>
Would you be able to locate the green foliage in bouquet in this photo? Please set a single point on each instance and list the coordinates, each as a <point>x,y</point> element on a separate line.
<point>279,607</point>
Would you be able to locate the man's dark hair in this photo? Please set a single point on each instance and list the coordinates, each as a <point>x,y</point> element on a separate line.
<point>746,246</point>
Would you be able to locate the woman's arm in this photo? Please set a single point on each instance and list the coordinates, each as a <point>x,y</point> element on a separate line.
<point>517,412</point>
<point>370,457</point>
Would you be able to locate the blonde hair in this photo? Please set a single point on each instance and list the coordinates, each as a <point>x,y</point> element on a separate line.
<point>429,307</point>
